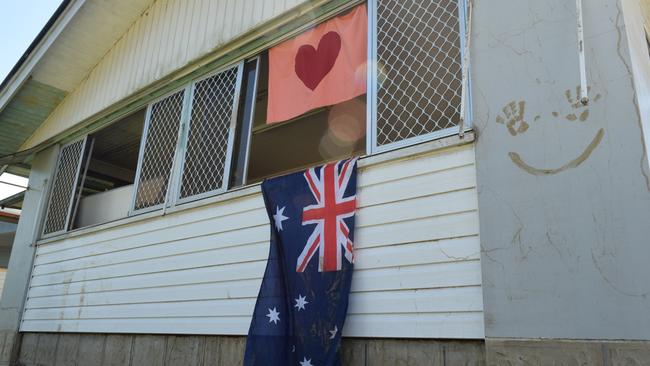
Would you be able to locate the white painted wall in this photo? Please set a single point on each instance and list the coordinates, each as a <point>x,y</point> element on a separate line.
<point>167,36</point>
<point>3,274</point>
<point>104,206</point>
<point>198,271</point>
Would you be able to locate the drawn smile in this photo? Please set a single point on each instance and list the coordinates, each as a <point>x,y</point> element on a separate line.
<point>516,159</point>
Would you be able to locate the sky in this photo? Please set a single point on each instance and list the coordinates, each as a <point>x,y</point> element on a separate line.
<point>20,22</point>
<point>11,184</point>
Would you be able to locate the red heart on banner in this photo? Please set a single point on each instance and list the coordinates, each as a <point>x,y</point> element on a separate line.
<point>312,64</point>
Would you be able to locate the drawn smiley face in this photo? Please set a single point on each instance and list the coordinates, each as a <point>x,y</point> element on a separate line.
<point>513,117</point>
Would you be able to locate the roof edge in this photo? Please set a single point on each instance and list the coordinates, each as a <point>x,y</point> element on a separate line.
<point>23,68</point>
<point>41,34</point>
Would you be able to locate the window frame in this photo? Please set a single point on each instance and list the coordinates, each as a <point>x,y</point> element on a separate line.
<point>251,118</point>
<point>243,124</point>
<point>187,125</point>
<point>172,195</point>
<point>145,133</point>
<point>372,82</point>
<point>73,200</point>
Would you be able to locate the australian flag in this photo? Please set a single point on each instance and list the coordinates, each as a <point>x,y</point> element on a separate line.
<point>303,300</point>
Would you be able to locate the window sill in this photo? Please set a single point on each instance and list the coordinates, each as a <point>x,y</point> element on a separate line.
<point>253,189</point>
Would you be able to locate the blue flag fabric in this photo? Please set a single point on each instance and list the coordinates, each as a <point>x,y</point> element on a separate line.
<point>303,300</point>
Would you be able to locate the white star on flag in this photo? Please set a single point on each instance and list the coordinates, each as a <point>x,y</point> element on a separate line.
<point>306,362</point>
<point>301,302</point>
<point>279,217</point>
<point>333,332</point>
<point>273,315</point>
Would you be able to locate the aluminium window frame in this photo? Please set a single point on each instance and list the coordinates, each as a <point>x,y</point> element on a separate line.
<point>86,157</point>
<point>73,193</point>
<point>251,118</point>
<point>172,194</point>
<point>143,140</point>
<point>372,80</point>
<point>178,180</point>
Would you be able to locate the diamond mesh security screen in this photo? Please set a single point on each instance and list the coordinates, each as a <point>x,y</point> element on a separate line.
<point>159,150</point>
<point>207,145</point>
<point>63,188</point>
<point>419,68</point>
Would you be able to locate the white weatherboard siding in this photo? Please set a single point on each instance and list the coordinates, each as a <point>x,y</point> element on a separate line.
<point>166,37</point>
<point>198,271</point>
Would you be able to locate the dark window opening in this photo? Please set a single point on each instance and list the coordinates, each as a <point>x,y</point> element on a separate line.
<point>108,183</point>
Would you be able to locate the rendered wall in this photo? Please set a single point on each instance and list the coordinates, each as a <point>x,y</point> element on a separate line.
<point>564,189</point>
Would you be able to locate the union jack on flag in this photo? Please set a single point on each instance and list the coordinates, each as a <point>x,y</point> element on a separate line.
<point>301,306</point>
<point>331,233</point>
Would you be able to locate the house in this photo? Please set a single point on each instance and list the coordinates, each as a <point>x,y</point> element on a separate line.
<point>504,185</point>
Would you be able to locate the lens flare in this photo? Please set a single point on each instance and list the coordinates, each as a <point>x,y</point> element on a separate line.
<point>347,121</point>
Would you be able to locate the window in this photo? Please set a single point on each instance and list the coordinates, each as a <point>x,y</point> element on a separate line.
<point>418,74</point>
<point>211,135</point>
<point>315,137</point>
<point>210,140</point>
<point>188,142</point>
<point>247,102</point>
<point>64,190</point>
<point>107,186</point>
<point>158,151</point>
<point>93,180</point>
